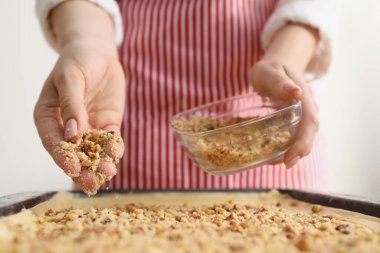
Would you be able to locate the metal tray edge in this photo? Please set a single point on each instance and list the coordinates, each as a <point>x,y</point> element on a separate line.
<point>14,203</point>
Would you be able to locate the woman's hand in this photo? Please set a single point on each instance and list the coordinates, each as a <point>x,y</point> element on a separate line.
<point>86,89</point>
<point>274,79</point>
<point>279,74</point>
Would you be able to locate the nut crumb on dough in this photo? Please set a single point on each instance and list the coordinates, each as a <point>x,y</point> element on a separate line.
<point>90,150</point>
<point>209,227</point>
<point>343,228</point>
<point>316,208</point>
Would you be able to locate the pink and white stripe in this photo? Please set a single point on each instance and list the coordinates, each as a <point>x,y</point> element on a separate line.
<point>180,54</point>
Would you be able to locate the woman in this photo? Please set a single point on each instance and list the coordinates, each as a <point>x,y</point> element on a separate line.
<point>176,55</point>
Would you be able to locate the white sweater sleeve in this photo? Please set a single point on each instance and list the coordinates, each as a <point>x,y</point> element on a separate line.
<point>43,8</point>
<point>320,14</point>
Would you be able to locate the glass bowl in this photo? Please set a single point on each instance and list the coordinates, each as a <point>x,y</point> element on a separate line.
<point>237,133</point>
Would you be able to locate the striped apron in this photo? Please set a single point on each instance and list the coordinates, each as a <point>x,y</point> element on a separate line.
<point>178,54</point>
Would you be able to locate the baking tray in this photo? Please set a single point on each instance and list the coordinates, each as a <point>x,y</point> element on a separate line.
<point>14,203</point>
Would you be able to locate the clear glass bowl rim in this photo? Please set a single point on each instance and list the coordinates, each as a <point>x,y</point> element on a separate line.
<point>293,104</point>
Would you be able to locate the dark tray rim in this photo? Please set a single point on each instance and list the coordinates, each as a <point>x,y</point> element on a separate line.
<point>14,203</point>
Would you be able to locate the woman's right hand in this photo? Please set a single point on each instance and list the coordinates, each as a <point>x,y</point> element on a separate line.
<point>86,89</point>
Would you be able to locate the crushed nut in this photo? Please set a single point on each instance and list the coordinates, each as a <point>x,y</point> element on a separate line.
<point>304,244</point>
<point>236,147</point>
<point>316,208</point>
<point>228,228</point>
<point>343,228</point>
<point>90,149</point>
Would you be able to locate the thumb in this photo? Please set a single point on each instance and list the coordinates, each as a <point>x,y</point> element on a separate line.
<point>70,86</point>
<point>273,80</point>
<point>288,90</point>
<point>284,88</point>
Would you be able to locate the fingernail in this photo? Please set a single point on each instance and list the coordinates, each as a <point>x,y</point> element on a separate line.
<point>71,129</point>
<point>292,162</point>
<point>290,87</point>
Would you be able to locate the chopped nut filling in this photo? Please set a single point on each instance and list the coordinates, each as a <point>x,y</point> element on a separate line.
<point>236,147</point>
<point>223,227</point>
<point>91,148</point>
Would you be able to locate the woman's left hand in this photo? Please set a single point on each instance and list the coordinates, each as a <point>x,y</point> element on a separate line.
<point>277,80</point>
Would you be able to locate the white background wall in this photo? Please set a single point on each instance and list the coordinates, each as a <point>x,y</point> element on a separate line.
<point>349,99</point>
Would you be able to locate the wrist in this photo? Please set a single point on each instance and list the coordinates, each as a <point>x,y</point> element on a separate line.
<point>81,21</point>
<point>77,36</point>
<point>91,43</point>
<point>293,45</point>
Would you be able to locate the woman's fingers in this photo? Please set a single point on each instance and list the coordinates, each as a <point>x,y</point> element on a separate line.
<point>87,181</point>
<point>49,126</point>
<point>71,130</point>
<point>67,160</point>
<point>270,79</point>
<point>304,140</point>
<point>308,126</point>
<point>292,162</point>
<point>280,82</point>
<point>114,149</point>
<point>107,169</point>
<point>70,84</point>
